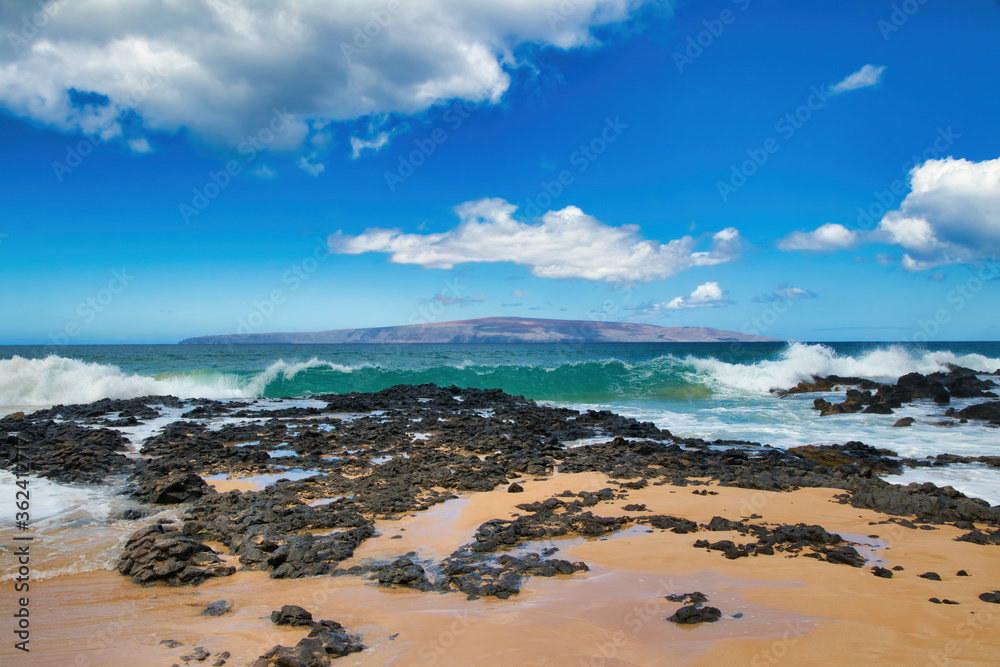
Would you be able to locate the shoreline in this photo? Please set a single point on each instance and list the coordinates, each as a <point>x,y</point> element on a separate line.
<point>793,609</point>
<point>408,509</point>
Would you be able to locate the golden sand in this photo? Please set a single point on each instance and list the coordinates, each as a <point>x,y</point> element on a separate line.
<point>792,611</point>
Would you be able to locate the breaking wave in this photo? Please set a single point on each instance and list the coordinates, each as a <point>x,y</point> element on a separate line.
<point>53,380</point>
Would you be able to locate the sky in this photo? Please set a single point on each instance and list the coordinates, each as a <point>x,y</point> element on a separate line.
<point>818,171</point>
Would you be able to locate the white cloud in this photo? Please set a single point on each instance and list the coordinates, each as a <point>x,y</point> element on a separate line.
<point>950,216</point>
<point>376,144</point>
<point>824,239</point>
<point>139,145</point>
<point>312,169</point>
<point>869,75</point>
<point>560,244</point>
<point>708,295</point>
<point>519,293</point>
<point>264,172</point>
<point>218,68</point>
<point>785,292</point>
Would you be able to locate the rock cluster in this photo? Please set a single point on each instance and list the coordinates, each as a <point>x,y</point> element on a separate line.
<point>939,387</point>
<point>366,463</point>
<point>326,641</point>
<point>160,552</point>
<point>696,611</point>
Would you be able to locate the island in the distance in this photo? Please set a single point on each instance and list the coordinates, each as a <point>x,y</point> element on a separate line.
<point>494,330</point>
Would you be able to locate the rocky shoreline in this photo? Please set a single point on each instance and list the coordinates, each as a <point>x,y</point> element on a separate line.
<point>341,467</point>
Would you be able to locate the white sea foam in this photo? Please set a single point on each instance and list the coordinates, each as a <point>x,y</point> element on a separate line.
<point>800,361</point>
<point>973,479</point>
<point>73,526</point>
<point>286,371</point>
<point>59,380</point>
<point>54,380</point>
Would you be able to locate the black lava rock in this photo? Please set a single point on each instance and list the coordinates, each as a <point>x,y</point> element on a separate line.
<point>217,608</point>
<point>160,552</point>
<point>291,614</point>
<point>692,614</point>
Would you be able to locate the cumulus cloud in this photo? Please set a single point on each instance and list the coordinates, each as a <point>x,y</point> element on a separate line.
<point>310,168</point>
<point>560,244</point>
<point>380,141</point>
<point>824,239</point>
<point>785,292</point>
<point>708,295</point>
<point>219,68</point>
<point>869,75</point>
<point>139,145</point>
<point>950,216</point>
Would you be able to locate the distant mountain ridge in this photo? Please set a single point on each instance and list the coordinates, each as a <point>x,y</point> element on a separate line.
<point>494,330</point>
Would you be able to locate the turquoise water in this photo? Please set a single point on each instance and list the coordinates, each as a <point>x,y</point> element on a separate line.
<point>696,390</point>
<point>650,373</point>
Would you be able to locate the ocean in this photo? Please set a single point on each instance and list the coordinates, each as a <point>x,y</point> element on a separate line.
<point>705,390</point>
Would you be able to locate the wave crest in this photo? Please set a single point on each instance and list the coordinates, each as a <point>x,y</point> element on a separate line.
<point>801,361</point>
<point>52,380</point>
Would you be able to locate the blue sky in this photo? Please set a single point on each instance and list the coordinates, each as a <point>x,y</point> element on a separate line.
<point>173,173</point>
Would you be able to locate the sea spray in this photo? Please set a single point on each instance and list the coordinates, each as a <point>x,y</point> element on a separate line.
<point>608,374</point>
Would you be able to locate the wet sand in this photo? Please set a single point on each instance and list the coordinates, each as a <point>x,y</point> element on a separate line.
<point>791,610</point>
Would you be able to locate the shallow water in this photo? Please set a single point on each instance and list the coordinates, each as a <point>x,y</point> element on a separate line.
<point>707,391</point>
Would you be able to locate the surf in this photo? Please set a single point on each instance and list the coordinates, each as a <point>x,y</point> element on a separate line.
<point>599,375</point>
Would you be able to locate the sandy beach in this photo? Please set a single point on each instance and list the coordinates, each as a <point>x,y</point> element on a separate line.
<point>777,610</point>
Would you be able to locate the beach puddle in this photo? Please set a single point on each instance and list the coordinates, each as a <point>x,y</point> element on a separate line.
<point>281,453</point>
<point>584,442</point>
<point>265,480</point>
<point>327,501</point>
<point>868,547</point>
<point>433,534</point>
